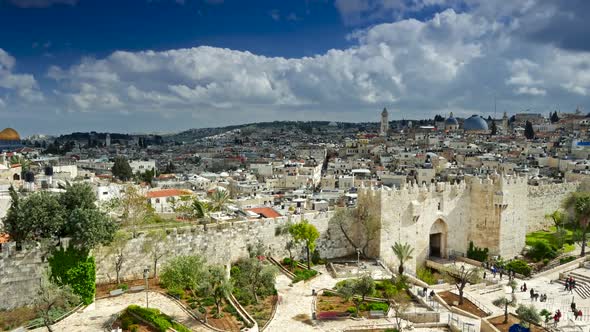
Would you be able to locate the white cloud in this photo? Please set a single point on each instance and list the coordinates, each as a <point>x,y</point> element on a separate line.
<point>21,87</point>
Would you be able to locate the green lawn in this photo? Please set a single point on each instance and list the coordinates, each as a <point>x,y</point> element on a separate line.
<point>550,238</point>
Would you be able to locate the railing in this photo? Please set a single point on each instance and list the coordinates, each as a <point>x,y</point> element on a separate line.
<point>477,303</point>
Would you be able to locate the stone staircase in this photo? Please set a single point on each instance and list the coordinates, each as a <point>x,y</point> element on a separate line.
<point>582,284</point>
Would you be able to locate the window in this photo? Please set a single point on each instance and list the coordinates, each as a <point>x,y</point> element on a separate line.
<point>105,192</point>
<point>157,200</point>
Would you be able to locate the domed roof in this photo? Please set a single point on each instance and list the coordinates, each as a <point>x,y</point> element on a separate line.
<point>475,122</point>
<point>9,134</point>
<point>451,120</point>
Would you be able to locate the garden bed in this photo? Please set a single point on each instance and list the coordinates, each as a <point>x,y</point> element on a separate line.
<point>11,319</point>
<point>298,269</point>
<point>331,302</point>
<point>229,320</point>
<point>104,290</point>
<point>467,305</point>
<point>262,312</point>
<point>498,323</point>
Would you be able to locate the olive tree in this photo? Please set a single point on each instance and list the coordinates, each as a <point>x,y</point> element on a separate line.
<point>460,277</point>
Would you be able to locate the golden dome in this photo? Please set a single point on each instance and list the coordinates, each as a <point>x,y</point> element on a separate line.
<point>9,134</point>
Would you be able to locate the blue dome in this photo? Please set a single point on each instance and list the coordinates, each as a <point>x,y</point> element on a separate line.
<point>451,121</point>
<point>474,123</point>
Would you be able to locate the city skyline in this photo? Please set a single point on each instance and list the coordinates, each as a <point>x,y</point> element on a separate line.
<point>167,66</point>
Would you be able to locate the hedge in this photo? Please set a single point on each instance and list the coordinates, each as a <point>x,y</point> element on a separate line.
<point>75,268</point>
<point>159,320</point>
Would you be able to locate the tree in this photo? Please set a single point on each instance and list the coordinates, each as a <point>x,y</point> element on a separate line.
<point>147,176</point>
<point>36,217</point>
<point>170,168</point>
<point>121,169</point>
<point>118,250</point>
<point>255,277</point>
<point>529,132</point>
<point>357,289</point>
<point>78,195</point>
<point>528,314</point>
<point>399,303</point>
<point>403,252</point>
<point>219,200</point>
<point>579,205</point>
<point>89,228</point>
<point>363,221</point>
<point>186,273</point>
<point>156,246</point>
<point>494,128</point>
<point>306,233</point>
<point>217,286</point>
<point>460,277</point>
<point>135,209</point>
<point>195,209</point>
<point>504,302</point>
<point>50,297</point>
<point>557,217</point>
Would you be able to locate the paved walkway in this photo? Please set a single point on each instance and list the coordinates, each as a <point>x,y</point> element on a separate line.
<point>93,320</point>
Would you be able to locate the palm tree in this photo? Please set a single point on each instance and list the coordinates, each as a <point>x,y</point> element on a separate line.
<point>579,205</point>
<point>199,209</point>
<point>403,252</point>
<point>219,199</point>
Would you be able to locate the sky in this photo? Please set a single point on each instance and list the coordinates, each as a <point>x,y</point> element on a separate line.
<point>170,65</point>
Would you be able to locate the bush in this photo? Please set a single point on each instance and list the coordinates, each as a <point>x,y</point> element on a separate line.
<point>541,250</point>
<point>176,293</point>
<point>351,310</point>
<point>159,320</point>
<point>478,254</point>
<point>287,261</point>
<point>133,328</point>
<point>124,287</point>
<point>567,259</point>
<point>75,268</point>
<point>545,261</point>
<point>208,301</point>
<point>426,275</point>
<point>374,306</point>
<point>520,267</point>
<point>304,275</point>
<point>315,257</point>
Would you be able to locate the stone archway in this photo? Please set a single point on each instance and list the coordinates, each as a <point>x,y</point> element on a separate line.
<point>437,245</point>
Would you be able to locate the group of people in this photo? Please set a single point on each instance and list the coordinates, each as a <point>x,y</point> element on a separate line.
<point>534,296</point>
<point>499,270</point>
<point>570,284</point>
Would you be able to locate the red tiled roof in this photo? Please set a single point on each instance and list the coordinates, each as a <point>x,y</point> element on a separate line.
<point>4,238</point>
<point>167,193</point>
<point>266,212</point>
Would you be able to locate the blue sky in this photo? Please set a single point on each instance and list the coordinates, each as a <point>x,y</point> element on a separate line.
<point>166,65</point>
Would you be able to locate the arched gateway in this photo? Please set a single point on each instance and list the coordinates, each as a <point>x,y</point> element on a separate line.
<point>438,239</point>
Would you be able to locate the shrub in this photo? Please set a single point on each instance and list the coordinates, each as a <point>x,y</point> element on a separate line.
<point>315,257</point>
<point>123,287</point>
<point>545,261</point>
<point>520,267</point>
<point>75,268</point>
<point>351,310</point>
<point>304,275</point>
<point>541,250</point>
<point>287,261</point>
<point>478,254</point>
<point>133,328</point>
<point>567,259</point>
<point>176,293</point>
<point>374,306</point>
<point>208,301</point>
<point>426,275</point>
<point>126,322</point>
<point>159,320</point>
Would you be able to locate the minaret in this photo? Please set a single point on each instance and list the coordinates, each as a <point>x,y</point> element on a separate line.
<point>384,123</point>
<point>505,122</point>
<point>108,140</point>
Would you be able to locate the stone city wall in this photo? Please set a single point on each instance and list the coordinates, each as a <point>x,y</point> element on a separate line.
<point>20,274</point>
<point>222,244</point>
<point>545,199</point>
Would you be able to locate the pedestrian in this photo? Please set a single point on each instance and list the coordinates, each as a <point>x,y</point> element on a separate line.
<point>484,275</point>
<point>567,283</point>
<point>501,273</point>
<point>555,319</point>
<point>494,271</point>
<point>524,287</point>
<point>559,313</point>
<point>580,314</point>
<point>573,306</point>
<point>573,283</point>
<point>425,291</point>
<point>432,293</point>
<point>532,292</point>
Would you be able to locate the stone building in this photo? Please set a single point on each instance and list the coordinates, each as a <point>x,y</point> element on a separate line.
<point>441,219</point>
<point>384,123</point>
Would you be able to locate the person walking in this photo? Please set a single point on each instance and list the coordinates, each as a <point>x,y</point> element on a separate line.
<point>580,314</point>
<point>524,287</point>
<point>532,292</point>
<point>501,273</point>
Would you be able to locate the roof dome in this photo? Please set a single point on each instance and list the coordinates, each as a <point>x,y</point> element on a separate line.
<point>9,134</point>
<point>475,123</point>
<point>451,120</point>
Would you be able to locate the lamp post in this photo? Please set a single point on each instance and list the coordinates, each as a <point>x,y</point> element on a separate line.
<point>146,272</point>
